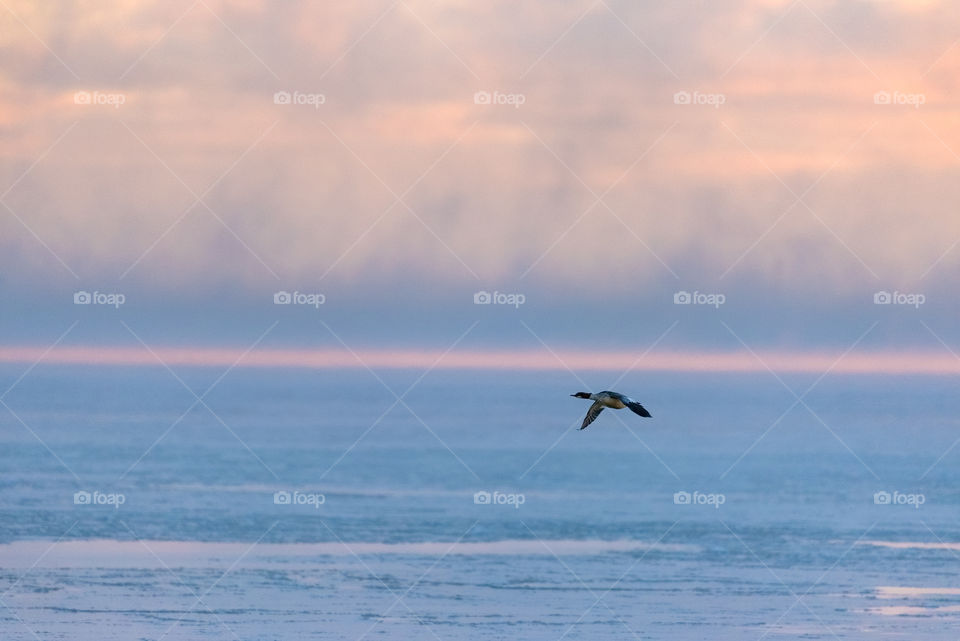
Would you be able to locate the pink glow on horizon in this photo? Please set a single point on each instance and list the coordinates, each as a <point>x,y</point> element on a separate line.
<point>524,360</point>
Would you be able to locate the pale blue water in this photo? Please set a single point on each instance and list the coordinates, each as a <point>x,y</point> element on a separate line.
<point>597,550</point>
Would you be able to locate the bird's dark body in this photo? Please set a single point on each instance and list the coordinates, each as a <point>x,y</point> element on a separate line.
<point>613,400</point>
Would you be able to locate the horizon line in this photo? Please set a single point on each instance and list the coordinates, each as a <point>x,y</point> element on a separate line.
<point>877,362</point>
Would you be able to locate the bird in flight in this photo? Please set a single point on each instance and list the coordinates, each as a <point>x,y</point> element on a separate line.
<point>613,400</point>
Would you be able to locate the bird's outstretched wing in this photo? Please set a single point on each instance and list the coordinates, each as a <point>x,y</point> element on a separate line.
<point>637,408</point>
<point>592,414</point>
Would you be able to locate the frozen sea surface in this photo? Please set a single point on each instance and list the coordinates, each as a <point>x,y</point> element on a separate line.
<point>736,513</point>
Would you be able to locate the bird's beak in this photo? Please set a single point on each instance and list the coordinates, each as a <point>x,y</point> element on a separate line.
<point>573,395</point>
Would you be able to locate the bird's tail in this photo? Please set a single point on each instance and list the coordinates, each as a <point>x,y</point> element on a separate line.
<point>637,408</point>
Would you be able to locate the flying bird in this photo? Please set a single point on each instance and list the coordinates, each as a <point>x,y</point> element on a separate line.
<point>613,400</point>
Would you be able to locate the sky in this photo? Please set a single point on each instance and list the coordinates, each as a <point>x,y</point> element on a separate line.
<point>742,178</point>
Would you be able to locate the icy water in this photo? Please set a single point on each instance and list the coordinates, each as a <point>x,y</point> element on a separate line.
<point>130,509</point>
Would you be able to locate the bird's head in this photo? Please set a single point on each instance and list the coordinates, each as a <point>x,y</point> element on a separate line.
<point>581,395</point>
